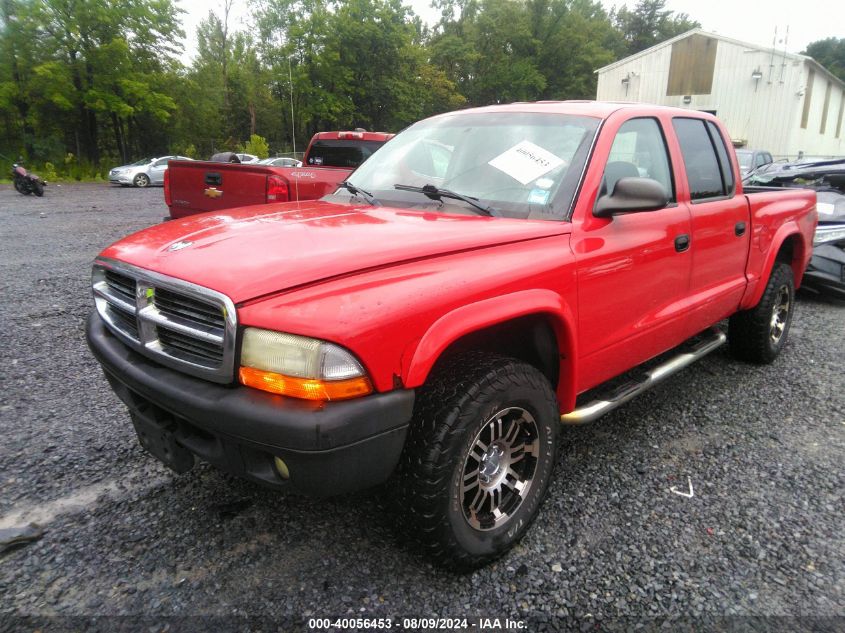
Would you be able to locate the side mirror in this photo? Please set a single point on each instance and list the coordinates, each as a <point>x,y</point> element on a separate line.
<point>631,195</point>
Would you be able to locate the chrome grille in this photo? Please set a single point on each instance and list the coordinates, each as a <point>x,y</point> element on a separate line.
<point>179,345</point>
<point>176,323</point>
<point>122,285</point>
<point>124,321</point>
<point>184,307</point>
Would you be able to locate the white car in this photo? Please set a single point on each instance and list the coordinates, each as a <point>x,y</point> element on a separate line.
<point>247,158</point>
<point>281,162</point>
<point>145,172</point>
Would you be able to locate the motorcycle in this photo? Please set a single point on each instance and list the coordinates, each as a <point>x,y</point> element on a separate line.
<point>27,182</point>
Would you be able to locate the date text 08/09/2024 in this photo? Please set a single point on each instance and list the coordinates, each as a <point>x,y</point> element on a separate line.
<point>416,624</point>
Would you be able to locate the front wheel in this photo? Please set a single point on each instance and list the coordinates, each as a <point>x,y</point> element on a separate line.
<point>21,187</point>
<point>759,334</point>
<point>478,459</point>
<point>141,180</point>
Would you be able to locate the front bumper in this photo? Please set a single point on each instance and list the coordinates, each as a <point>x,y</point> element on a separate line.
<point>120,179</point>
<point>826,272</point>
<point>330,448</point>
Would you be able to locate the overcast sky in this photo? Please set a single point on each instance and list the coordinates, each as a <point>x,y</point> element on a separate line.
<point>751,21</point>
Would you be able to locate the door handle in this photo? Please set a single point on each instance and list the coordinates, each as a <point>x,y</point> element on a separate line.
<point>739,229</point>
<point>214,179</point>
<point>682,243</point>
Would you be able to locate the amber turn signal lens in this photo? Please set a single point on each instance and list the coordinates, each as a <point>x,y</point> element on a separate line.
<point>305,388</point>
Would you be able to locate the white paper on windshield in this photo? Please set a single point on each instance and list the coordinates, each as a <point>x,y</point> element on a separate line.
<point>526,161</point>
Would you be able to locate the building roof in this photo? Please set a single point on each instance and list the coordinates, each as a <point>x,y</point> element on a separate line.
<point>717,36</point>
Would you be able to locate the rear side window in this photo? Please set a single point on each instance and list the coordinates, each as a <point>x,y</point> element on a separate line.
<point>705,158</point>
<point>722,154</point>
<point>341,153</point>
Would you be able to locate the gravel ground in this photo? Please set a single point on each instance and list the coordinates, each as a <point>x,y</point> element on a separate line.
<point>763,448</point>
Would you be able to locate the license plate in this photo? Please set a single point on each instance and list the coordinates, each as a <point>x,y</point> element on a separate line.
<point>157,437</point>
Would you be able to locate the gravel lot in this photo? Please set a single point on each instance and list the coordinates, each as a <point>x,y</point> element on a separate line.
<point>763,447</point>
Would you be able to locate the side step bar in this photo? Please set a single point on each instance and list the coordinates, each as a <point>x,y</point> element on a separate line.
<point>622,394</point>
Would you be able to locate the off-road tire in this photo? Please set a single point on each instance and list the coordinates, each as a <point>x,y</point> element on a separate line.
<point>38,189</point>
<point>141,180</point>
<point>750,332</point>
<point>22,188</point>
<point>458,403</point>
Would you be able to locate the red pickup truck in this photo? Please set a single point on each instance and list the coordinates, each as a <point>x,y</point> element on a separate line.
<point>208,186</point>
<point>475,286</point>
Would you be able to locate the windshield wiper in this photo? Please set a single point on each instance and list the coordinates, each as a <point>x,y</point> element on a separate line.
<point>361,193</point>
<point>438,194</point>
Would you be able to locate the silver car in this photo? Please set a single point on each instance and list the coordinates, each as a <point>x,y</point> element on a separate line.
<point>145,172</point>
<point>281,162</point>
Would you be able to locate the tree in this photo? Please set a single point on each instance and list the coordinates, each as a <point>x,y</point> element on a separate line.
<point>830,53</point>
<point>649,24</point>
<point>518,50</point>
<point>77,68</point>
<point>348,64</point>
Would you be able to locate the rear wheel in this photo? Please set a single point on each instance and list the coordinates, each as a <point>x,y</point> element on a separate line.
<point>38,189</point>
<point>758,335</point>
<point>478,459</point>
<point>141,180</point>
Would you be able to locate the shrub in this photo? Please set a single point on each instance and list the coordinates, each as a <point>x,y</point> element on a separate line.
<point>256,145</point>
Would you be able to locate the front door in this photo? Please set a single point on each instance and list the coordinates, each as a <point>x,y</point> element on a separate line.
<point>633,269</point>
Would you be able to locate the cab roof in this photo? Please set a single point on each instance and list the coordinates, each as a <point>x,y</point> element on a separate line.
<point>597,109</point>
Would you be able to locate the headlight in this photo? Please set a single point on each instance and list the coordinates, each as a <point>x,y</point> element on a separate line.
<point>300,367</point>
<point>828,233</point>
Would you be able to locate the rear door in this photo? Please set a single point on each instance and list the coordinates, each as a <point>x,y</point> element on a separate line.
<point>720,223</point>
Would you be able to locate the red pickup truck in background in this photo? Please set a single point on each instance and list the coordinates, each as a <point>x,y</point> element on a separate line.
<point>476,284</point>
<point>208,186</point>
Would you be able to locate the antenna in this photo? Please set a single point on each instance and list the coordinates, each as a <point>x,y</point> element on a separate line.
<point>783,63</point>
<point>292,125</point>
<point>772,57</point>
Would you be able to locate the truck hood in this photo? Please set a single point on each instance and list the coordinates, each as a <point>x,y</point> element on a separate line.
<point>253,251</point>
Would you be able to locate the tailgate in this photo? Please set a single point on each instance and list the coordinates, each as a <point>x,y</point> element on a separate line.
<point>196,186</point>
<point>311,183</point>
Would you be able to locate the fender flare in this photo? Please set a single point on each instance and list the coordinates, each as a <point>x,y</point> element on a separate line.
<point>488,312</point>
<point>785,231</point>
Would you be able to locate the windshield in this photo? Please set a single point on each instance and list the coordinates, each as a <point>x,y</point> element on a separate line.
<point>745,158</point>
<point>519,164</point>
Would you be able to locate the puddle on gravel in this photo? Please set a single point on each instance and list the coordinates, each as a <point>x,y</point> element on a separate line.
<point>76,501</point>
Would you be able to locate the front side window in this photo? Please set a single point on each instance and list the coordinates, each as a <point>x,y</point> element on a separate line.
<point>704,173</point>
<point>521,164</point>
<point>639,150</point>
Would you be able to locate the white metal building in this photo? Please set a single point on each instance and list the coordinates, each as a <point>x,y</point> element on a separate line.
<point>768,99</point>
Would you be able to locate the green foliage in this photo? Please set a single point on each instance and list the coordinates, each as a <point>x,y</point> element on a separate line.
<point>830,53</point>
<point>649,24</point>
<point>257,145</point>
<point>49,172</point>
<point>518,50</point>
<point>88,84</point>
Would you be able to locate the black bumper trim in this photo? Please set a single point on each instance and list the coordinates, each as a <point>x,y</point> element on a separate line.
<point>330,448</point>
